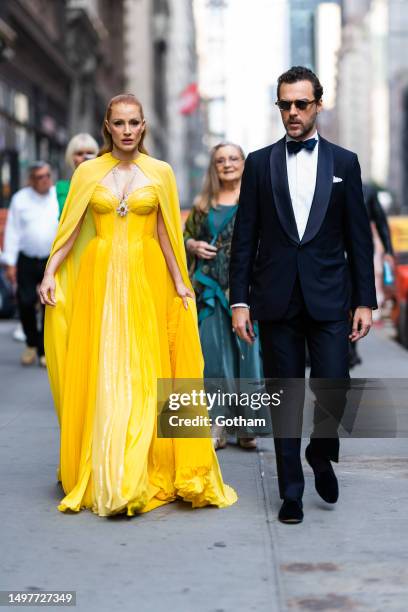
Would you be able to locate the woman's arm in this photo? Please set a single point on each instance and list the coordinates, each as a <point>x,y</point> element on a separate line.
<point>189,236</point>
<point>47,287</point>
<point>190,227</point>
<point>171,261</point>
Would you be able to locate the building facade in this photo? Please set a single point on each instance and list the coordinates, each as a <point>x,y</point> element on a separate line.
<point>161,70</point>
<point>315,31</point>
<point>302,25</point>
<point>398,96</point>
<point>95,49</point>
<point>146,58</point>
<point>184,118</point>
<point>211,19</point>
<point>242,51</point>
<point>363,101</point>
<point>35,79</point>
<point>353,87</point>
<point>60,61</point>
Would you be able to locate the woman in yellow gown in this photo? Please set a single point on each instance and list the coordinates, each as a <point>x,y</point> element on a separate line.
<point>120,315</point>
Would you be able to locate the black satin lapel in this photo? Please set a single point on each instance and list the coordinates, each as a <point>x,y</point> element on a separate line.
<point>324,185</point>
<point>280,190</point>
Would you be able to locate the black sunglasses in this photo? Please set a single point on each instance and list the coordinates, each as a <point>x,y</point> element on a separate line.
<point>286,105</point>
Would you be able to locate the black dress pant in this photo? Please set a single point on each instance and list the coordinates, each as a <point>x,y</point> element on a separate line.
<point>283,348</point>
<point>30,271</point>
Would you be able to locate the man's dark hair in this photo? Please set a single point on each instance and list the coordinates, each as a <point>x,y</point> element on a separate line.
<point>300,73</point>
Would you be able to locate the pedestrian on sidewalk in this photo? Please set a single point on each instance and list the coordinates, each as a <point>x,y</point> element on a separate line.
<point>378,220</point>
<point>207,236</point>
<point>80,148</point>
<point>301,209</point>
<point>31,225</point>
<point>120,315</point>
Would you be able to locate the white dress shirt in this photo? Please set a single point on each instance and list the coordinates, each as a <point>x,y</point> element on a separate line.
<point>32,222</point>
<point>302,172</point>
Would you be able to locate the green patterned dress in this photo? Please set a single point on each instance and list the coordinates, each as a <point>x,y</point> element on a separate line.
<point>225,355</point>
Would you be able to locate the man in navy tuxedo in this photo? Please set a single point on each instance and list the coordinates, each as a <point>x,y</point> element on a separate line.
<point>302,265</point>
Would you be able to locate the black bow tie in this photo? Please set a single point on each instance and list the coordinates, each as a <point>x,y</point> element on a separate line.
<point>294,146</point>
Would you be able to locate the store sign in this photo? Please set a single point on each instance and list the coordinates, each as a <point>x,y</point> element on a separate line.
<point>189,99</point>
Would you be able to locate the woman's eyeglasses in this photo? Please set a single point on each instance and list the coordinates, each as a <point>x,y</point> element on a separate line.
<point>40,177</point>
<point>233,159</point>
<point>286,105</point>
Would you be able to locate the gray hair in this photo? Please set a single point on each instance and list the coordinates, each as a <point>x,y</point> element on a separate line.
<point>207,198</point>
<point>37,165</point>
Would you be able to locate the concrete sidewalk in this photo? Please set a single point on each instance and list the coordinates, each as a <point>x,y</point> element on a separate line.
<point>352,557</point>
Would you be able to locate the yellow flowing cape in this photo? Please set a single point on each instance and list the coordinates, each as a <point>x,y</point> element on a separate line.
<point>58,318</point>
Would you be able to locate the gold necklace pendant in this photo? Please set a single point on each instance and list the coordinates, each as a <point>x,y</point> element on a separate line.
<point>122,209</point>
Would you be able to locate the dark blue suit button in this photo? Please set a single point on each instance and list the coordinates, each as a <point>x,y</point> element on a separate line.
<point>299,246</point>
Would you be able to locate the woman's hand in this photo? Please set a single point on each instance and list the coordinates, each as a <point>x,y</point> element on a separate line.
<point>201,249</point>
<point>184,292</point>
<point>47,290</point>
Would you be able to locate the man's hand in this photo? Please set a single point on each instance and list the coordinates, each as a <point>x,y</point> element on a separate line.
<point>242,324</point>
<point>362,321</point>
<point>11,274</point>
<point>390,259</point>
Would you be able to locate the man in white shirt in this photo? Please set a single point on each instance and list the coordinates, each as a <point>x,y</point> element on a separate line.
<point>32,222</point>
<point>301,264</point>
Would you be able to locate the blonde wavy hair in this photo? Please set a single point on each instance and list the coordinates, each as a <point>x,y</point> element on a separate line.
<point>127,98</point>
<point>208,196</point>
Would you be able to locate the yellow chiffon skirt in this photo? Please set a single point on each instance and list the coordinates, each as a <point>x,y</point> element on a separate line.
<point>127,329</point>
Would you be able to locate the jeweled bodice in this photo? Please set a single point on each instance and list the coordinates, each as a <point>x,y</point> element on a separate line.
<point>140,220</point>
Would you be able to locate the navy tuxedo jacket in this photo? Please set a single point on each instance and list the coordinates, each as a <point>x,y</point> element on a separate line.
<point>334,259</point>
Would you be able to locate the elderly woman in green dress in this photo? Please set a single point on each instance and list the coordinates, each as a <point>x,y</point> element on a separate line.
<point>207,236</point>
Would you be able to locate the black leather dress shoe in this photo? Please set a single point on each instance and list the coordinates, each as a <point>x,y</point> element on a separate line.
<point>291,512</point>
<point>325,479</point>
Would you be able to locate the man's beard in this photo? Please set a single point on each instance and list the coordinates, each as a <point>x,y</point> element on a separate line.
<point>305,128</point>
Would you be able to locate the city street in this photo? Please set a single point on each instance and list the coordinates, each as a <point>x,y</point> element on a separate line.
<point>351,557</point>
<point>278,130</point>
